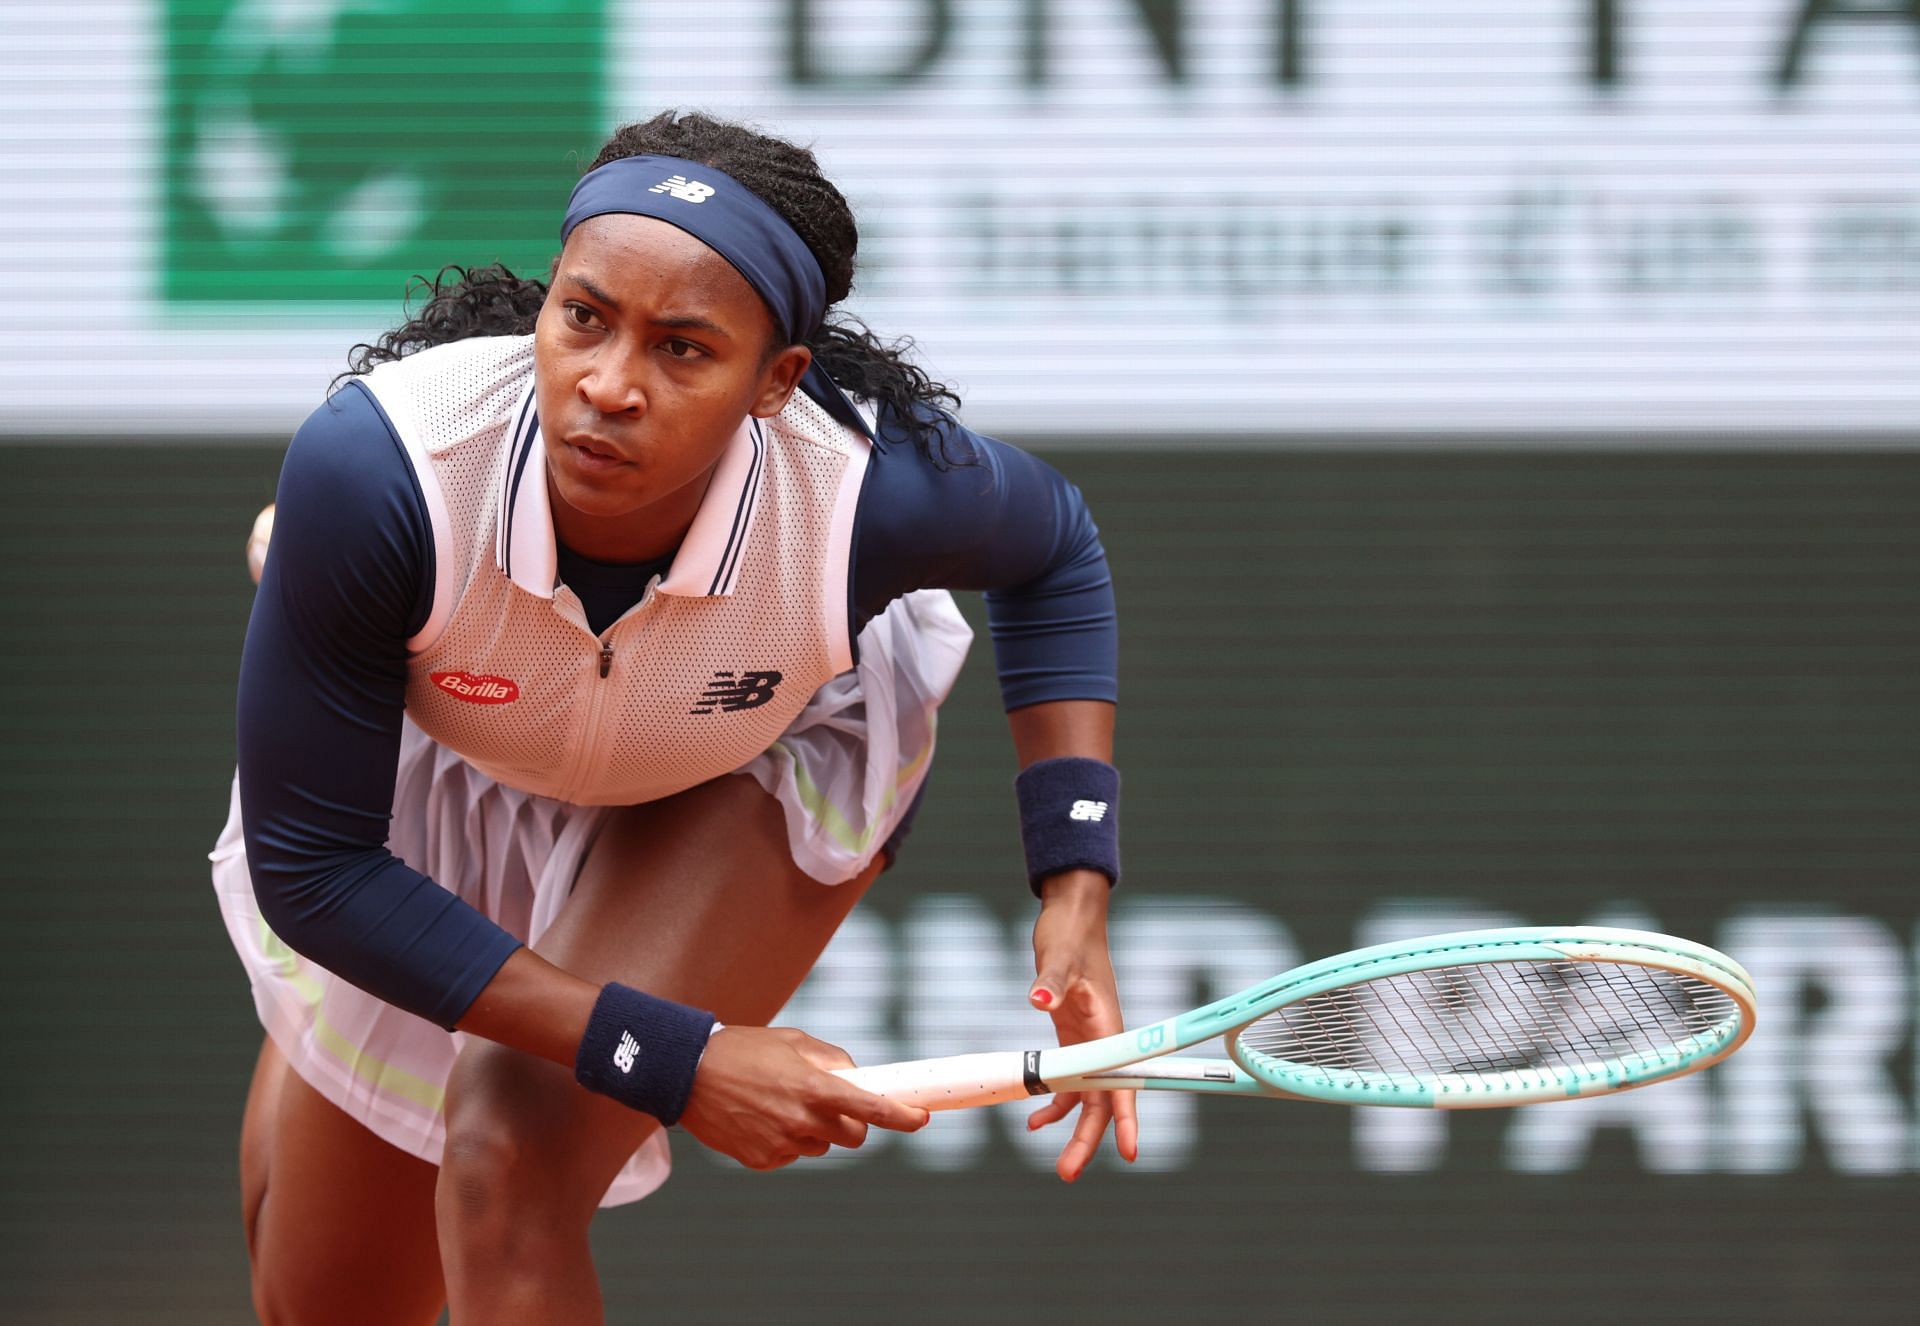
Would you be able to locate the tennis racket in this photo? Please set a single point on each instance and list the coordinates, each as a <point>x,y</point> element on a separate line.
<point>1457,1021</point>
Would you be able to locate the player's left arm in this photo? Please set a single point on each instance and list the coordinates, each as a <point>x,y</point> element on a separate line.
<point>997,519</point>
<point>1074,982</point>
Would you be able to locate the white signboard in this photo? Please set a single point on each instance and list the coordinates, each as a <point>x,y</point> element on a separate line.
<point>1464,219</point>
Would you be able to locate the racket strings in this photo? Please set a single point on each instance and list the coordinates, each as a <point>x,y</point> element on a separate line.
<point>1494,1017</point>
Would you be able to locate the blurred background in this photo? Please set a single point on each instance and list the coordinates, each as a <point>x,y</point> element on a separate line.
<point>1502,419</point>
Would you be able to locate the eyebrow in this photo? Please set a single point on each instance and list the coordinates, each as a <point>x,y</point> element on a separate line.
<point>683,323</point>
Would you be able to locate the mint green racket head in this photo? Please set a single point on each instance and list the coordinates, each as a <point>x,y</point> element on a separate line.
<point>1498,1017</point>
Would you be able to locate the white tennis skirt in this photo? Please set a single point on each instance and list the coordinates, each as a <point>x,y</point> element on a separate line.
<point>845,774</point>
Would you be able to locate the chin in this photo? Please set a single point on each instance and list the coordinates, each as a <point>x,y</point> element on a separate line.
<point>607,497</point>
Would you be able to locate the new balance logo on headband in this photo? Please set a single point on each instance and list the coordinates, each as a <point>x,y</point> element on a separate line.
<point>686,190</point>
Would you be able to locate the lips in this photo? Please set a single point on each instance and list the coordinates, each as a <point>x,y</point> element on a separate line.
<point>594,452</point>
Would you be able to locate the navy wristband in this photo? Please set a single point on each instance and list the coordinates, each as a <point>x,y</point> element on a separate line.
<point>1069,818</point>
<point>642,1051</point>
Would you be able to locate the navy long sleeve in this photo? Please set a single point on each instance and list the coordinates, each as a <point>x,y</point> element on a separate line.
<point>999,520</point>
<point>322,692</point>
<point>349,580</point>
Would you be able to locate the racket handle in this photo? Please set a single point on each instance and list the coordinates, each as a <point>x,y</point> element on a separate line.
<point>954,1083</point>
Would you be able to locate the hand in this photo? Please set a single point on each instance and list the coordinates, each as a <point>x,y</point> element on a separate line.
<point>767,1096</point>
<point>257,542</point>
<point>1075,987</point>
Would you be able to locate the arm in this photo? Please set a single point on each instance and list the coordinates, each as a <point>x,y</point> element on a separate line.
<point>1074,982</point>
<point>321,697</point>
<point>1011,525</point>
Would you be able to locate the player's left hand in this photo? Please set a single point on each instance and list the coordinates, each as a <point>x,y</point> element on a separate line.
<point>1075,987</point>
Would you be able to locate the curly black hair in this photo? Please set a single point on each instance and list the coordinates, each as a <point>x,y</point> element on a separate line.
<point>493,301</point>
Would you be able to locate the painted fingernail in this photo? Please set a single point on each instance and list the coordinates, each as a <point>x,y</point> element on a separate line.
<point>1043,997</point>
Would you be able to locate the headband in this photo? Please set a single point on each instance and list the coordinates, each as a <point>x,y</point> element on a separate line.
<point>737,224</point>
<point>721,213</point>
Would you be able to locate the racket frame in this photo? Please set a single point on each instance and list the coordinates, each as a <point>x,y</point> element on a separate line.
<point>1143,1057</point>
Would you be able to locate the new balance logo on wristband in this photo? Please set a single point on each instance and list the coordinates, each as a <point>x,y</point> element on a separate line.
<point>728,692</point>
<point>1091,811</point>
<point>686,190</point>
<point>626,1052</point>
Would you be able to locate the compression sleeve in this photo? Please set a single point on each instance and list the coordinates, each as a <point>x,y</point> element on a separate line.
<point>322,691</point>
<point>991,517</point>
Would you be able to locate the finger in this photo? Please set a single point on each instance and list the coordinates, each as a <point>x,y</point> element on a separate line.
<point>845,1098</point>
<point>1090,1004</point>
<point>1049,989</point>
<point>1080,1149</point>
<point>821,1055</point>
<point>1054,1110</point>
<point>815,1146</point>
<point>1126,1126</point>
<point>840,1130</point>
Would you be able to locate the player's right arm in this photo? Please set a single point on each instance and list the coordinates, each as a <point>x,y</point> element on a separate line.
<point>321,699</point>
<point>322,693</point>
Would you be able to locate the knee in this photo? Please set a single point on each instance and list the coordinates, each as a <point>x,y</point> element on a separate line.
<point>487,1171</point>
<point>504,1189</point>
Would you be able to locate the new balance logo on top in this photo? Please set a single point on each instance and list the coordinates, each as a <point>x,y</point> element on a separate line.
<point>727,692</point>
<point>686,190</point>
<point>626,1052</point>
<point>1088,810</point>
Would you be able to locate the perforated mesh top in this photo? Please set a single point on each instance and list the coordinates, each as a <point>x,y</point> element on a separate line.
<point>682,688</point>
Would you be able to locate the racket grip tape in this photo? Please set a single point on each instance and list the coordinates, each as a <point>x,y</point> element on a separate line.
<point>953,1083</point>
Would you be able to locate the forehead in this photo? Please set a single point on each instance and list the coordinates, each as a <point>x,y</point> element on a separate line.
<point>647,264</point>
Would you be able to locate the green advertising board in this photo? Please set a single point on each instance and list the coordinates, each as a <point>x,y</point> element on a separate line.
<point>326,152</point>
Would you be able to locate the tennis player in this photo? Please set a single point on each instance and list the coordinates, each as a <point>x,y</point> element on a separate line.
<point>591,680</point>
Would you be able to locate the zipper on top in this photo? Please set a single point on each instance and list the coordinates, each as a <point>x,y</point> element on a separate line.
<point>571,609</point>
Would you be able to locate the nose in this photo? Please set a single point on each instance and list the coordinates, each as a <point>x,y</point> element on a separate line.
<point>612,384</point>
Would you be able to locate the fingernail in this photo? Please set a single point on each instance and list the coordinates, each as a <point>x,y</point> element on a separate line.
<point>1043,997</point>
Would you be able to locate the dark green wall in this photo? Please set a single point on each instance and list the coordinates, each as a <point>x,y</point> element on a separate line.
<point>1545,682</point>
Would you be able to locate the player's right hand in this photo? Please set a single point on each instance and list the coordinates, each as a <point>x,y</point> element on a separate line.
<point>257,542</point>
<point>767,1096</point>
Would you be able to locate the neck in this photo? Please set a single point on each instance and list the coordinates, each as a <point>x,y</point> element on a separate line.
<point>632,537</point>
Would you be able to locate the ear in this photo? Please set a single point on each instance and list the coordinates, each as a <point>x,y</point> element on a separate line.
<point>778,380</point>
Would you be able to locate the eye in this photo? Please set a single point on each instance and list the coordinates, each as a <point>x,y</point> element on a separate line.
<point>681,349</point>
<point>579,316</point>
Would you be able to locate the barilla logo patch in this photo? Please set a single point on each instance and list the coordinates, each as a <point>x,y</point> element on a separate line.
<point>477,690</point>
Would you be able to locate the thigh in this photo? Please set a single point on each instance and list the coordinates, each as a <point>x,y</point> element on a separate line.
<point>694,898</point>
<point>340,1224</point>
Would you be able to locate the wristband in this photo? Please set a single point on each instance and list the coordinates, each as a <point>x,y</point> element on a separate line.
<point>1069,818</point>
<point>642,1051</point>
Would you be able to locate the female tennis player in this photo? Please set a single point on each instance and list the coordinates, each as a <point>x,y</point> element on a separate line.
<point>591,680</point>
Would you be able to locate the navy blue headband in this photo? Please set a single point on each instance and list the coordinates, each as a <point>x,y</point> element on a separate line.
<point>721,213</point>
<point>737,224</point>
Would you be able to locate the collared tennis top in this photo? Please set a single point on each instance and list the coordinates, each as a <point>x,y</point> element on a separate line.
<point>415,570</point>
<point>508,671</point>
